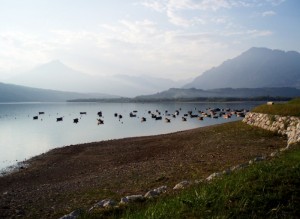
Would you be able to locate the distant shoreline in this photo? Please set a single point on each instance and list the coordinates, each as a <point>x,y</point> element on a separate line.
<point>183,100</point>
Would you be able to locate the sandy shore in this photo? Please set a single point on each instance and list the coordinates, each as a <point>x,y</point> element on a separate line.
<point>77,176</point>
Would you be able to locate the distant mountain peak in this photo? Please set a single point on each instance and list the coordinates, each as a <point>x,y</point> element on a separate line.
<point>258,49</point>
<point>53,64</point>
<point>55,61</point>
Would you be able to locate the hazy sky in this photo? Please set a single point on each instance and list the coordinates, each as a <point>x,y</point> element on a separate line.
<point>168,38</point>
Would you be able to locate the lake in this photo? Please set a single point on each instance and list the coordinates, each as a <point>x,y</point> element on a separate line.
<point>22,137</point>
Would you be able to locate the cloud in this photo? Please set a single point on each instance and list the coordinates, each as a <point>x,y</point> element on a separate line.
<point>173,9</point>
<point>177,11</point>
<point>275,2</point>
<point>259,33</point>
<point>155,5</point>
<point>206,5</point>
<point>18,49</point>
<point>268,13</point>
<point>178,20</point>
<point>247,33</point>
<point>213,5</point>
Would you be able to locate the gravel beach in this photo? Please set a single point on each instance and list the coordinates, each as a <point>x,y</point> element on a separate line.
<point>77,176</point>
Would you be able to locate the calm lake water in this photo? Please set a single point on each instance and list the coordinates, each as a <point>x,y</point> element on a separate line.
<point>22,137</point>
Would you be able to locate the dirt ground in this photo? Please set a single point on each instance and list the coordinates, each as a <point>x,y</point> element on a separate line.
<point>78,176</point>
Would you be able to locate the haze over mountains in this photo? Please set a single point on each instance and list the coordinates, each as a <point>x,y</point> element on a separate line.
<point>17,93</point>
<point>256,72</point>
<point>57,76</point>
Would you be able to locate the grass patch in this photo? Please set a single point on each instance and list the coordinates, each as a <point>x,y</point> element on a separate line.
<point>272,118</point>
<point>268,189</point>
<point>291,108</point>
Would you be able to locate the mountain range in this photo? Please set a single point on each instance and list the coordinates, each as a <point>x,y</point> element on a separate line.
<point>256,72</point>
<point>255,68</point>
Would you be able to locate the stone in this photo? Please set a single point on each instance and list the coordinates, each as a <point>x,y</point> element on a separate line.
<point>239,167</point>
<point>283,149</point>
<point>198,181</point>
<point>257,159</point>
<point>161,189</point>
<point>73,215</point>
<point>273,154</point>
<point>226,172</point>
<point>106,203</point>
<point>109,204</point>
<point>156,192</point>
<point>124,201</point>
<point>132,198</point>
<point>213,176</point>
<point>151,194</point>
<point>182,185</point>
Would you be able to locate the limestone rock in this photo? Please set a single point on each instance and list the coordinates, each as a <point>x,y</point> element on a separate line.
<point>132,198</point>
<point>274,154</point>
<point>105,203</point>
<point>156,192</point>
<point>257,159</point>
<point>161,189</point>
<point>226,172</point>
<point>73,215</point>
<point>239,167</point>
<point>151,194</point>
<point>182,185</point>
<point>213,176</point>
<point>198,181</point>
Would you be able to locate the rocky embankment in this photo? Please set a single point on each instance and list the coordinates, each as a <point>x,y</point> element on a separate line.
<point>283,125</point>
